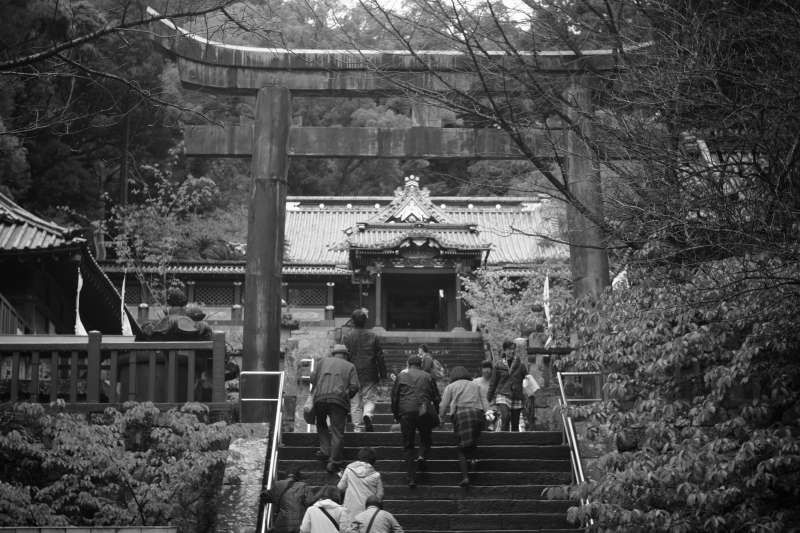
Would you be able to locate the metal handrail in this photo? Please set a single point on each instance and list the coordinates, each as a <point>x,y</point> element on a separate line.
<point>275,431</point>
<point>569,429</point>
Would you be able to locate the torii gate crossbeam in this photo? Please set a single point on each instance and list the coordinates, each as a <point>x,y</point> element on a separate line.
<point>272,73</point>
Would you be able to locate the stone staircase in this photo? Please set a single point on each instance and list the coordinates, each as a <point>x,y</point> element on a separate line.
<point>507,487</point>
<point>466,350</point>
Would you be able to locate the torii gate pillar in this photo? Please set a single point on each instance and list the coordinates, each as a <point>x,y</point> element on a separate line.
<point>587,249</point>
<point>265,238</point>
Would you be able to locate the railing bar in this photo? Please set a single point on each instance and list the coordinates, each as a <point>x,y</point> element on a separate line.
<point>113,376</point>
<point>54,382</point>
<point>34,389</point>
<point>151,377</point>
<point>15,376</point>
<point>266,520</point>
<point>587,373</point>
<point>73,376</point>
<point>190,376</point>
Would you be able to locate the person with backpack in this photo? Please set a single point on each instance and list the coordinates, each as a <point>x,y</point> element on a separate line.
<point>360,480</point>
<point>326,515</point>
<point>367,356</point>
<point>289,498</point>
<point>374,519</point>
<point>415,404</point>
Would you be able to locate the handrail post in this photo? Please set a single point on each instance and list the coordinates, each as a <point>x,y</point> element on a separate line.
<point>93,367</point>
<point>218,367</point>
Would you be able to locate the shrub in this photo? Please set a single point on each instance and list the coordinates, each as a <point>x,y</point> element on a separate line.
<point>138,466</point>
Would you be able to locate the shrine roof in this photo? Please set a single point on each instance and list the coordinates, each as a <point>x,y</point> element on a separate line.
<point>515,230</point>
<point>22,230</point>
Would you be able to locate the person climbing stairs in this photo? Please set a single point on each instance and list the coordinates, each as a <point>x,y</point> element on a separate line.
<point>507,484</point>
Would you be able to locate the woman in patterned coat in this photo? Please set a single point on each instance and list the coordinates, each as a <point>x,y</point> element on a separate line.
<point>464,403</point>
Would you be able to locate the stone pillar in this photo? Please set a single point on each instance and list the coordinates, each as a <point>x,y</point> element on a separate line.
<point>329,307</point>
<point>237,293</point>
<point>587,248</point>
<point>190,291</point>
<point>265,228</point>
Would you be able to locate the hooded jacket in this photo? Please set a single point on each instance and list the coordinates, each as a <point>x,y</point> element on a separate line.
<point>315,521</point>
<point>359,481</point>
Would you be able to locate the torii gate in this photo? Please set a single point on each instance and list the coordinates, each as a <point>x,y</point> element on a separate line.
<point>273,74</point>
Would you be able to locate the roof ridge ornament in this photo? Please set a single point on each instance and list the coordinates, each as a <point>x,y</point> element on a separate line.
<point>411,204</point>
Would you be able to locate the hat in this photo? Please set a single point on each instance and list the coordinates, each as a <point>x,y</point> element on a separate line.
<point>339,348</point>
<point>415,360</point>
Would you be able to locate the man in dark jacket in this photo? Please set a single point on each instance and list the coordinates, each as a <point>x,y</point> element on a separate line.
<point>366,355</point>
<point>335,381</point>
<point>415,403</point>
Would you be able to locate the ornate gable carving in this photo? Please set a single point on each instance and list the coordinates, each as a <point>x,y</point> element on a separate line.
<point>411,205</point>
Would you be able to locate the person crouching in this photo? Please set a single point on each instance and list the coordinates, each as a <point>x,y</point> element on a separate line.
<point>464,404</point>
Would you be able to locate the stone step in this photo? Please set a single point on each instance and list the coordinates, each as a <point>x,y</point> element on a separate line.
<point>288,453</point>
<point>440,438</point>
<point>395,463</point>
<point>422,492</point>
<point>320,477</point>
<point>479,522</point>
<point>444,506</point>
<point>545,530</point>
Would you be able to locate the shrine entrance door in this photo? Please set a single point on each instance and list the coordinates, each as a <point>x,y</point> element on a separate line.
<point>419,301</point>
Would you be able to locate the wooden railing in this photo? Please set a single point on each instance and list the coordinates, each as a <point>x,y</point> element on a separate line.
<point>11,322</point>
<point>95,369</point>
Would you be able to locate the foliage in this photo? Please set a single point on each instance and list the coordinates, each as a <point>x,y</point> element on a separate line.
<point>147,234</point>
<point>701,202</point>
<point>703,391</point>
<point>511,307</point>
<point>137,466</point>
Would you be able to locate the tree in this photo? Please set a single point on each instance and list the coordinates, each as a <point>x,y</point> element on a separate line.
<point>512,307</point>
<point>696,134</point>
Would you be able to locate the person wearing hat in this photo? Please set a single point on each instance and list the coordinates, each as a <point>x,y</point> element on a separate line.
<point>415,402</point>
<point>335,381</point>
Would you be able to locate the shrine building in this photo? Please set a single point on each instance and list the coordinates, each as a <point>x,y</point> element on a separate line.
<point>399,256</point>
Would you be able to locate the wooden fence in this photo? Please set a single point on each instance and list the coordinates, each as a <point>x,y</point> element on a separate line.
<point>95,369</point>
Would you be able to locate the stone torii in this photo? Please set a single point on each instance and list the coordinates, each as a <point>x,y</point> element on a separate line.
<point>273,74</point>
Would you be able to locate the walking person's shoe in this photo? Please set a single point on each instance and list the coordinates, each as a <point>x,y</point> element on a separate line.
<point>412,483</point>
<point>368,424</point>
<point>422,465</point>
<point>333,467</point>
<point>322,456</point>
<point>473,464</point>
